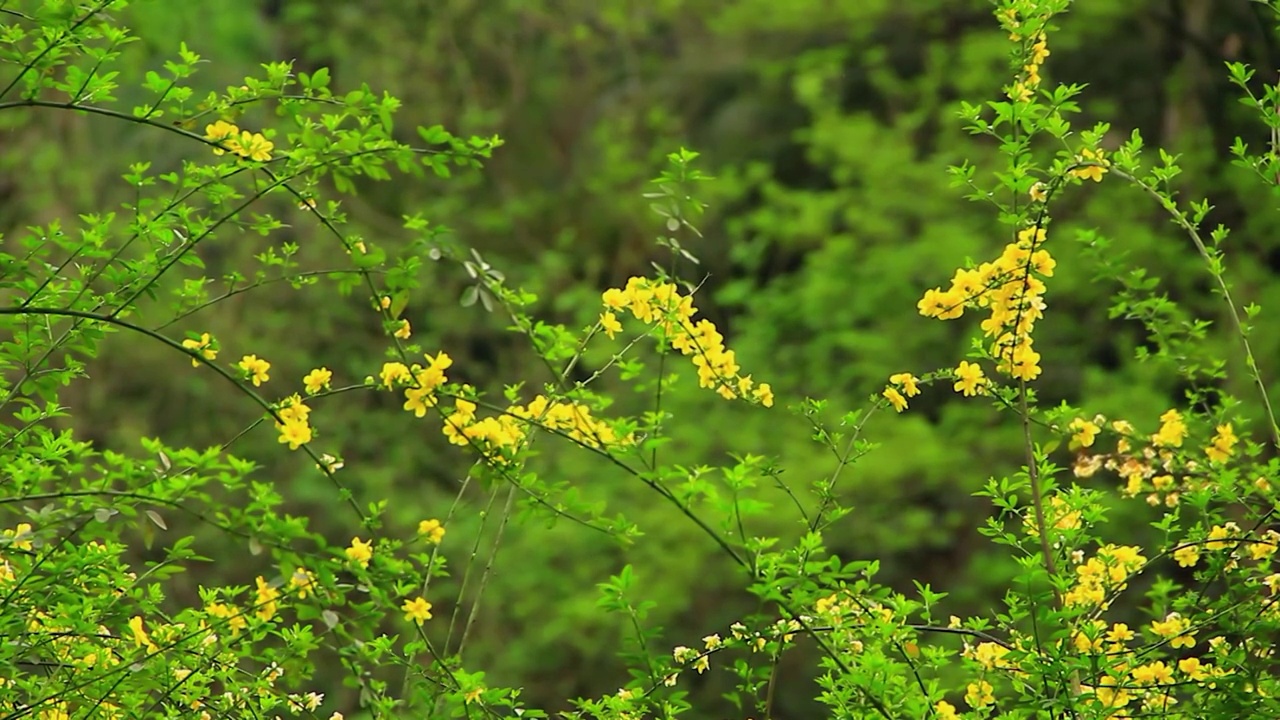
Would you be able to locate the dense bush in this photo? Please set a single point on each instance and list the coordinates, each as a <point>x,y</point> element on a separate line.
<point>432,450</point>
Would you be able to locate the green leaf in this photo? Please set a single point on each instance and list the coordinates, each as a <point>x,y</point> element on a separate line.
<point>398,302</point>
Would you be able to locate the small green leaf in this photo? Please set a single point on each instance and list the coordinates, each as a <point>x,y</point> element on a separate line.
<point>398,302</point>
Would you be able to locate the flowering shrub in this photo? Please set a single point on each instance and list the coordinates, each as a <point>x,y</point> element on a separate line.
<point>1087,629</point>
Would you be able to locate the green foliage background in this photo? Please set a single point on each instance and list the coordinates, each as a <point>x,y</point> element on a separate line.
<point>828,126</point>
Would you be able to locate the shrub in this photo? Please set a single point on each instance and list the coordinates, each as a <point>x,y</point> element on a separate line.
<point>90,571</point>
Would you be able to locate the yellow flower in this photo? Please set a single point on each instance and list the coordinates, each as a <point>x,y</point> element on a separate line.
<point>1095,170</point>
<point>253,146</point>
<point>140,637</point>
<point>317,380</point>
<point>1043,263</point>
<point>1172,430</point>
<point>1263,550</point>
<point>293,409</point>
<point>419,400</point>
<point>764,394</point>
<point>404,331</point>
<point>609,323</point>
<point>1175,628</point>
<point>394,372</point>
<point>235,619</point>
<point>20,536</point>
<point>1193,668</point>
<point>1156,673</point>
<point>1119,633</point>
<point>979,694</point>
<point>908,383</point>
<point>204,346</point>
<point>615,299</point>
<point>303,581</point>
<point>1040,49</point>
<point>267,597</point>
<point>941,305</point>
<point>1187,556</point>
<point>256,368</point>
<point>432,529</point>
<point>895,399</point>
<point>1083,644</point>
<point>945,711</point>
<point>1085,432</point>
<point>968,285</point>
<point>1220,532</point>
<point>360,552</point>
<point>417,610</point>
<point>969,378</point>
<point>1025,362</point>
<point>1222,445</point>
<point>990,655</point>
<point>57,711</point>
<point>295,433</point>
<point>222,132</point>
<point>473,695</point>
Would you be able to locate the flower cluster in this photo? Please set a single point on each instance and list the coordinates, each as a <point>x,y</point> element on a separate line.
<point>264,606</point>
<point>1150,684</point>
<point>782,631</point>
<point>1058,515</point>
<point>1085,432</point>
<point>901,386</point>
<point>1229,536</point>
<point>969,381</point>
<point>1221,447</point>
<point>1092,165</point>
<point>422,380</point>
<point>1105,573</point>
<point>571,419</point>
<point>1157,468</point>
<point>266,599</point>
<point>498,437</point>
<point>255,369</point>
<point>662,306</point>
<point>1011,288</point>
<point>1173,430</point>
<point>294,426</point>
<point>251,145</point>
<point>432,530</point>
<point>1034,55</point>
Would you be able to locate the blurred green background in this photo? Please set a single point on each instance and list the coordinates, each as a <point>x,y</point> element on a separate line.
<point>828,124</point>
